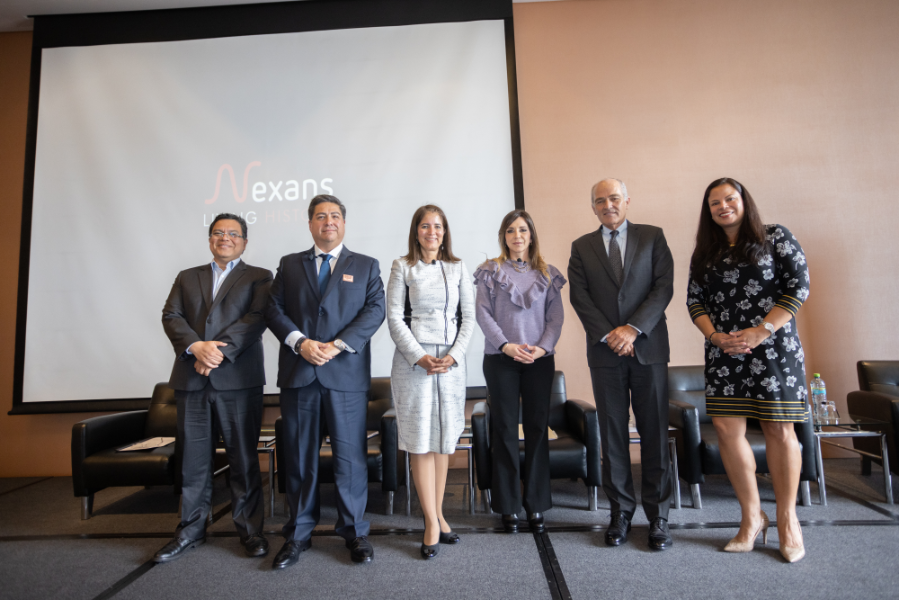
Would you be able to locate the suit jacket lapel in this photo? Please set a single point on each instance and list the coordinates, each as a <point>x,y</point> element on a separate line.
<point>309,266</point>
<point>345,260</point>
<point>205,277</point>
<point>238,272</point>
<point>633,240</point>
<point>600,248</point>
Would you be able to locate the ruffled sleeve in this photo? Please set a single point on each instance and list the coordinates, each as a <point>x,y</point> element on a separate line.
<point>485,303</point>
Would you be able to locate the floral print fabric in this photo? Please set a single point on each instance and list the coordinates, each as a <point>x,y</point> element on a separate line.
<point>769,383</point>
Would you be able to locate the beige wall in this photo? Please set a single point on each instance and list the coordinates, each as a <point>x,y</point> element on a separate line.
<point>798,99</point>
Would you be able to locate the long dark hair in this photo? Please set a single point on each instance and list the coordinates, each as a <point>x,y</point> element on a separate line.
<point>415,254</point>
<point>751,244</point>
<point>534,255</point>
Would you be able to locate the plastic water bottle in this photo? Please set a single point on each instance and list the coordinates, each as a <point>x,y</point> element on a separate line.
<point>819,398</point>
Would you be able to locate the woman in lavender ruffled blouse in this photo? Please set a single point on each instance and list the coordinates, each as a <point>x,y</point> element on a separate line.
<point>519,309</point>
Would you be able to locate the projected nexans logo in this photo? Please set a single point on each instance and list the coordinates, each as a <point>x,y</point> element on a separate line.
<point>288,190</point>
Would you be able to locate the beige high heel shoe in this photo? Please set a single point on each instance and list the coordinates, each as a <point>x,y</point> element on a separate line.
<point>794,554</point>
<point>735,546</point>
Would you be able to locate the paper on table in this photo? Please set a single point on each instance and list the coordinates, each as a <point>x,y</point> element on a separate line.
<point>148,444</point>
<point>552,434</point>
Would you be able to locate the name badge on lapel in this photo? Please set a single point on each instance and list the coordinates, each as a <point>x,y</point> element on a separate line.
<point>348,278</point>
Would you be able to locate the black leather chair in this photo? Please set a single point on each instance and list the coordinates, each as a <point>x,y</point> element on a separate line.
<point>575,455</point>
<point>383,457</point>
<point>96,464</point>
<point>877,398</point>
<point>697,441</point>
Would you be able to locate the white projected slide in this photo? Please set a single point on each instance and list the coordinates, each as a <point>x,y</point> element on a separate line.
<point>140,145</point>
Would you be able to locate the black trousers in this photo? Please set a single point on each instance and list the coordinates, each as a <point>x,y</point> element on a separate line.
<point>646,387</point>
<point>305,411</point>
<point>507,381</point>
<point>238,415</point>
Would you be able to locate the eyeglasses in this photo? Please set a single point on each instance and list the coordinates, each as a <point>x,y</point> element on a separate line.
<point>231,234</point>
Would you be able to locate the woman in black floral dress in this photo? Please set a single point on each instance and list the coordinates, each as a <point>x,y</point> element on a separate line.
<point>747,280</point>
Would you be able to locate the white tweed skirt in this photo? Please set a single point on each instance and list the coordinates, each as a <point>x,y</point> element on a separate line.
<point>430,409</point>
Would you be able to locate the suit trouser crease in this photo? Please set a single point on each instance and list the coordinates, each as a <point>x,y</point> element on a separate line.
<point>307,412</point>
<point>237,415</point>
<point>508,380</point>
<point>646,388</point>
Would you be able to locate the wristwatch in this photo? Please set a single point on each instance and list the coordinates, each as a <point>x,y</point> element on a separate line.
<point>296,347</point>
<point>769,327</point>
<point>341,346</point>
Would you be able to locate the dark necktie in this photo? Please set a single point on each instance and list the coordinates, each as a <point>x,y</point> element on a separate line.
<point>615,257</point>
<point>324,274</point>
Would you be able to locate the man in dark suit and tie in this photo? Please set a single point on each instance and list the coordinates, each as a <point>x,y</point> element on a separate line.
<point>621,280</point>
<point>214,317</point>
<point>326,304</point>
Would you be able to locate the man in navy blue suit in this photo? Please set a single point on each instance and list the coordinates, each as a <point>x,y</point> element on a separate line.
<point>326,303</point>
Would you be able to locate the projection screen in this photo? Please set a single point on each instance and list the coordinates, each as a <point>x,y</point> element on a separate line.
<point>140,145</point>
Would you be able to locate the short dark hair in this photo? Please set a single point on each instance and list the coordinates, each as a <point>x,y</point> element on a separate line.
<point>446,249</point>
<point>321,199</point>
<point>229,217</point>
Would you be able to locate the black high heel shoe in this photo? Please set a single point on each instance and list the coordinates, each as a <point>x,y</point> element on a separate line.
<point>429,552</point>
<point>450,537</point>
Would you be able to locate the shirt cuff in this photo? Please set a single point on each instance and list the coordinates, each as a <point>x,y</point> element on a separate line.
<point>292,340</point>
<point>635,329</point>
<point>188,352</point>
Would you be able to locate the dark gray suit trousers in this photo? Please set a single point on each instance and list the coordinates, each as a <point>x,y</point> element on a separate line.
<point>237,414</point>
<point>615,389</point>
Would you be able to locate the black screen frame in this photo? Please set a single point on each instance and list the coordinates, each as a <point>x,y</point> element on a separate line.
<point>54,31</point>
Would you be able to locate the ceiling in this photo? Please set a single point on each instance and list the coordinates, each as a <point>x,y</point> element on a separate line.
<point>14,13</point>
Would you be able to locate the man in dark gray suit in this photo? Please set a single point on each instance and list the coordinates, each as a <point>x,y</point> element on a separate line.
<point>214,319</point>
<point>621,280</point>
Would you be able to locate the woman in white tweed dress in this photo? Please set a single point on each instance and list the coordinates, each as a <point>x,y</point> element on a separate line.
<point>430,312</point>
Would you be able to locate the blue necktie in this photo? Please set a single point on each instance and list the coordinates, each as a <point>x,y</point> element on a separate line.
<point>324,274</point>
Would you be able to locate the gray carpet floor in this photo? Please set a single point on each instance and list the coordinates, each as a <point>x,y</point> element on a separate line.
<point>47,551</point>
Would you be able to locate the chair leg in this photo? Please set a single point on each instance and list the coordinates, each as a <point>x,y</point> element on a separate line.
<point>805,493</point>
<point>866,465</point>
<point>87,507</point>
<point>591,498</point>
<point>389,503</point>
<point>697,498</point>
<point>408,487</point>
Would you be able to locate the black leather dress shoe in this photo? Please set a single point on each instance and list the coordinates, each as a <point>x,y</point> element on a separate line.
<point>535,522</point>
<point>618,528</point>
<point>659,536</point>
<point>510,523</point>
<point>360,549</point>
<point>450,538</point>
<point>255,545</point>
<point>289,553</point>
<point>175,548</point>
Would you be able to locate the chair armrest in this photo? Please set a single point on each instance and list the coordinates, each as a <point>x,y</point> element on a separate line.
<point>883,407</point>
<point>480,443</point>
<point>805,433</point>
<point>874,405</point>
<point>583,424</point>
<point>684,417</point>
<point>389,451</point>
<point>102,433</point>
